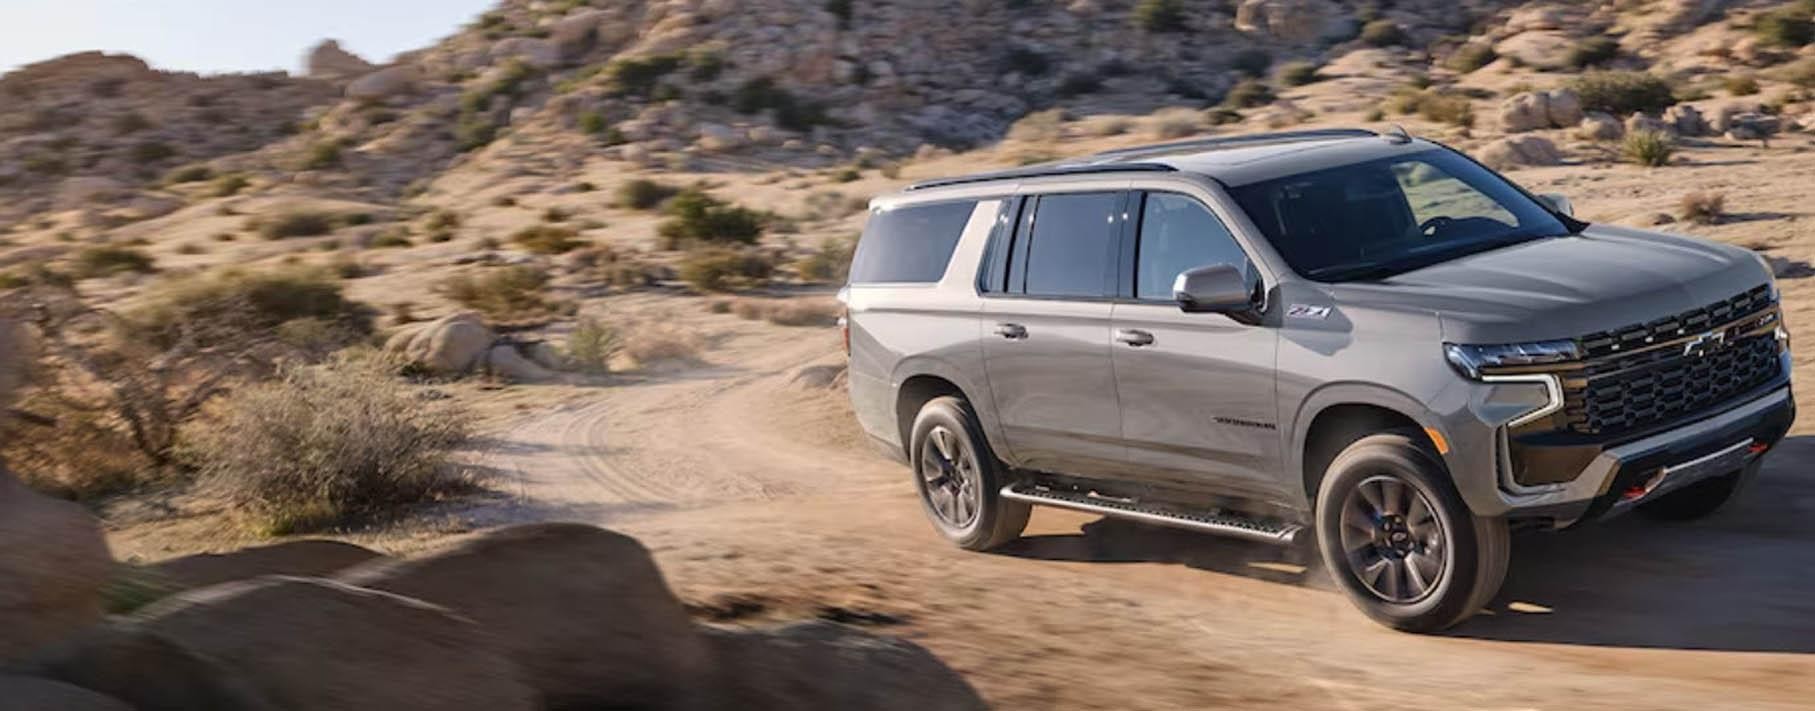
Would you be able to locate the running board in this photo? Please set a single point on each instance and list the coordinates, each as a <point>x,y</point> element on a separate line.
<point>1222,524</point>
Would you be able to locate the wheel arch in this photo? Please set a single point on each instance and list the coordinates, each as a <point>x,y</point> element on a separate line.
<point>1334,416</point>
<point>922,379</point>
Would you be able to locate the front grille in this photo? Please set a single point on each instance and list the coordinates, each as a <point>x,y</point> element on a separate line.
<point>1652,373</point>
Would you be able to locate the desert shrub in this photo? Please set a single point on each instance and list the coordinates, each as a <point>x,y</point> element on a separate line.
<point>1078,84</point>
<point>1646,147</point>
<point>547,239</point>
<point>705,64</point>
<point>555,214</point>
<point>1703,208</point>
<point>229,185</point>
<point>1592,52</point>
<point>644,194</point>
<point>70,448</point>
<point>847,175</point>
<point>1177,123</point>
<point>1800,73</point>
<point>695,216</point>
<point>325,444</point>
<point>787,312</point>
<point>1740,85</point>
<point>763,94</point>
<point>593,122</point>
<point>639,76</point>
<point>322,156</point>
<point>1383,33</point>
<point>723,268</point>
<point>1446,108</point>
<point>236,305</point>
<point>1621,93</point>
<point>297,223</point>
<point>1247,94</point>
<point>1160,15</point>
<point>1298,73</point>
<point>592,345</point>
<point>840,9</point>
<point>391,239</point>
<point>189,174</point>
<point>130,122</point>
<point>1039,126</point>
<point>1790,26</point>
<point>1022,60</point>
<point>501,294</point>
<point>108,260</point>
<point>1472,56</point>
<point>1252,62</point>
<point>831,262</point>
<point>151,152</point>
<point>442,220</point>
<point>647,343</point>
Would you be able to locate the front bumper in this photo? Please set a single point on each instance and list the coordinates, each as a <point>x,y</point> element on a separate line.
<point>1628,474</point>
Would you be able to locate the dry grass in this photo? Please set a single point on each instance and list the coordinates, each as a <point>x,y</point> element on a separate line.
<point>783,312</point>
<point>652,343</point>
<point>1175,123</point>
<point>505,294</point>
<point>1647,148</point>
<point>1703,208</point>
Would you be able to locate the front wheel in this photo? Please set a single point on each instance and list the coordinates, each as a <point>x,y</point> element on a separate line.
<point>1399,541</point>
<point>959,478</point>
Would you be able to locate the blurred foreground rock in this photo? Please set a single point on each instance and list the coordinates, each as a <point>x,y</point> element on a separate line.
<point>53,562</point>
<point>294,558</point>
<point>29,694</point>
<point>821,665</point>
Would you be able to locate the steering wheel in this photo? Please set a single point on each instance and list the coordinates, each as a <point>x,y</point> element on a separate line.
<point>1434,225</point>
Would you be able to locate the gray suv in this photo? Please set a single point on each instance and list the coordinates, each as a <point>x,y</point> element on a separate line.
<point>1366,339</point>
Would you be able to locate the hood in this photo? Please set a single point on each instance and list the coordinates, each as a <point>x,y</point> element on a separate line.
<point>1565,287</point>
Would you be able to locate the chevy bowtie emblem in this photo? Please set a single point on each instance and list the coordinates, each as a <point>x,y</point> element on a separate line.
<point>1702,345</point>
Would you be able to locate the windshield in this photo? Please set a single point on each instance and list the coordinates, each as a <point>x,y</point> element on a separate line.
<point>1383,217</point>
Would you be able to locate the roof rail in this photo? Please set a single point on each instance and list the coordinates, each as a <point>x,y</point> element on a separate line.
<point>1252,138</point>
<point>1042,171</point>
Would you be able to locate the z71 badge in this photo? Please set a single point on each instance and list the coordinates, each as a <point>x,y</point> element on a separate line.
<point>1312,312</point>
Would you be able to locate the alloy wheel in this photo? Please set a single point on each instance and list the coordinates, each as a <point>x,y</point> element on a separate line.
<point>952,484</point>
<point>1393,539</point>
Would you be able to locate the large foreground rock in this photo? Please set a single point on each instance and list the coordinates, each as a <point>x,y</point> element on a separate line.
<point>53,562</point>
<point>821,665</point>
<point>306,645</point>
<point>19,693</point>
<point>583,610</point>
<point>149,672</point>
<point>313,559</point>
<point>450,345</point>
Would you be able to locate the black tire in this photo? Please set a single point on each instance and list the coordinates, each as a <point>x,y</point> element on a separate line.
<point>960,487</point>
<point>1397,550</point>
<point>1701,499</point>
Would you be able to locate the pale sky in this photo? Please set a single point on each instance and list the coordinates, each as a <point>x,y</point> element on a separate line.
<point>213,36</point>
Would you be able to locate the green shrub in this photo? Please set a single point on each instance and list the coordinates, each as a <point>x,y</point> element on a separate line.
<point>762,94</point>
<point>229,185</point>
<point>228,306</point>
<point>1383,33</point>
<point>547,239</point>
<point>1621,93</point>
<point>501,294</point>
<point>322,156</point>
<point>593,123</point>
<point>1160,15</point>
<point>592,345</point>
<point>189,174</point>
<point>704,65</point>
<point>1787,27</point>
<point>847,175</point>
<point>1247,94</point>
<point>1252,61</point>
<point>297,223</point>
<point>1740,85</point>
<point>638,76</point>
<point>1452,109</point>
<point>694,216</point>
<point>722,268</point>
<point>1472,56</point>
<point>1592,52</point>
<point>644,194</point>
<point>108,260</point>
<point>151,152</point>
<point>830,263</point>
<point>1298,73</point>
<point>323,445</point>
<point>1648,148</point>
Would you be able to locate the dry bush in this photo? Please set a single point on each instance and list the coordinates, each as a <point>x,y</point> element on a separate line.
<point>324,444</point>
<point>1801,73</point>
<point>644,194</point>
<point>232,307</point>
<point>592,346</point>
<point>1039,126</point>
<point>1647,148</point>
<point>1471,56</point>
<point>1703,208</point>
<point>651,343</point>
<point>504,294</point>
<point>1740,85</point>
<point>108,260</point>
<point>723,268</point>
<point>1383,33</point>
<point>1622,93</point>
<point>788,312</point>
<point>695,217</point>
<point>1248,94</point>
<point>1177,123</point>
<point>1298,73</point>
<point>547,239</point>
<point>296,223</point>
<point>830,263</point>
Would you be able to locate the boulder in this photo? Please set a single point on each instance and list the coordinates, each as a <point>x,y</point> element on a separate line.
<point>822,665</point>
<point>29,694</point>
<point>1295,20</point>
<point>450,345</point>
<point>313,559</point>
<point>506,362</point>
<point>583,610</point>
<point>1564,107</point>
<point>15,359</point>
<point>719,137</point>
<point>1752,126</point>
<point>1641,122</point>
<point>574,36</point>
<point>1686,120</point>
<point>382,84</point>
<point>53,563</point>
<point>1516,151</point>
<point>538,53</point>
<point>1723,117</point>
<point>307,644</point>
<point>1598,126</point>
<point>1542,49</point>
<point>328,61</point>
<point>1525,111</point>
<point>86,191</point>
<point>149,672</point>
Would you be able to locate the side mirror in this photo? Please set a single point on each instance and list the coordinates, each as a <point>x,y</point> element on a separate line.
<point>1558,203</point>
<point>1215,288</point>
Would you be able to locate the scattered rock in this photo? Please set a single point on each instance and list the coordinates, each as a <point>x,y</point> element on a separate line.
<point>1525,111</point>
<point>574,35</point>
<point>538,53</point>
<point>1565,108</point>
<point>1752,126</point>
<point>1295,20</point>
<point>382,84</point>
<point>29,694</point>
<point>1543,49</point>
<point>299,558</point>
<point>53,563</point>
<point>1642,122</point>
<point>823,665</point>
<point>314,644</point>
<point>719,137</point>
<point>583,610</point>
<point>450,345</point>
<point>506,362</point>
<point>1515,151</point>
<point>1686,120</point>
<point>1597,126</point>
<point>328,61</point>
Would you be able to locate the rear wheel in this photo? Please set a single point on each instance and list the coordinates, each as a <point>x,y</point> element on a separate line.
<point>1701,499</point>
<point>959,478</point>
<point>1400,542</point>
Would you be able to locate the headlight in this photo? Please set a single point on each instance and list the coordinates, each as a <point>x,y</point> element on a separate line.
<point>1470,360</point>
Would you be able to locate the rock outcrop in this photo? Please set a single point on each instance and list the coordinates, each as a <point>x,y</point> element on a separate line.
<point>451,345</point>
<point>328,61</point>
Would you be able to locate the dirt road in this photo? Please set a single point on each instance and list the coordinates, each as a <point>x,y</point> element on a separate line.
<point>762,503</point>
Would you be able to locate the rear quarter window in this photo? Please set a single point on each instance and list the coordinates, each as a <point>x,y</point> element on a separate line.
<point>911,244</point>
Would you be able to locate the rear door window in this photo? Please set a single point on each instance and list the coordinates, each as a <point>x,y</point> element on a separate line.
<point>1071,248</point>
<point>911,244</point>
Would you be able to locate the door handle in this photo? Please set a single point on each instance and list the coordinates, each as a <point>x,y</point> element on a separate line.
<point>1011,331</point>
<point>1133,337</point>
